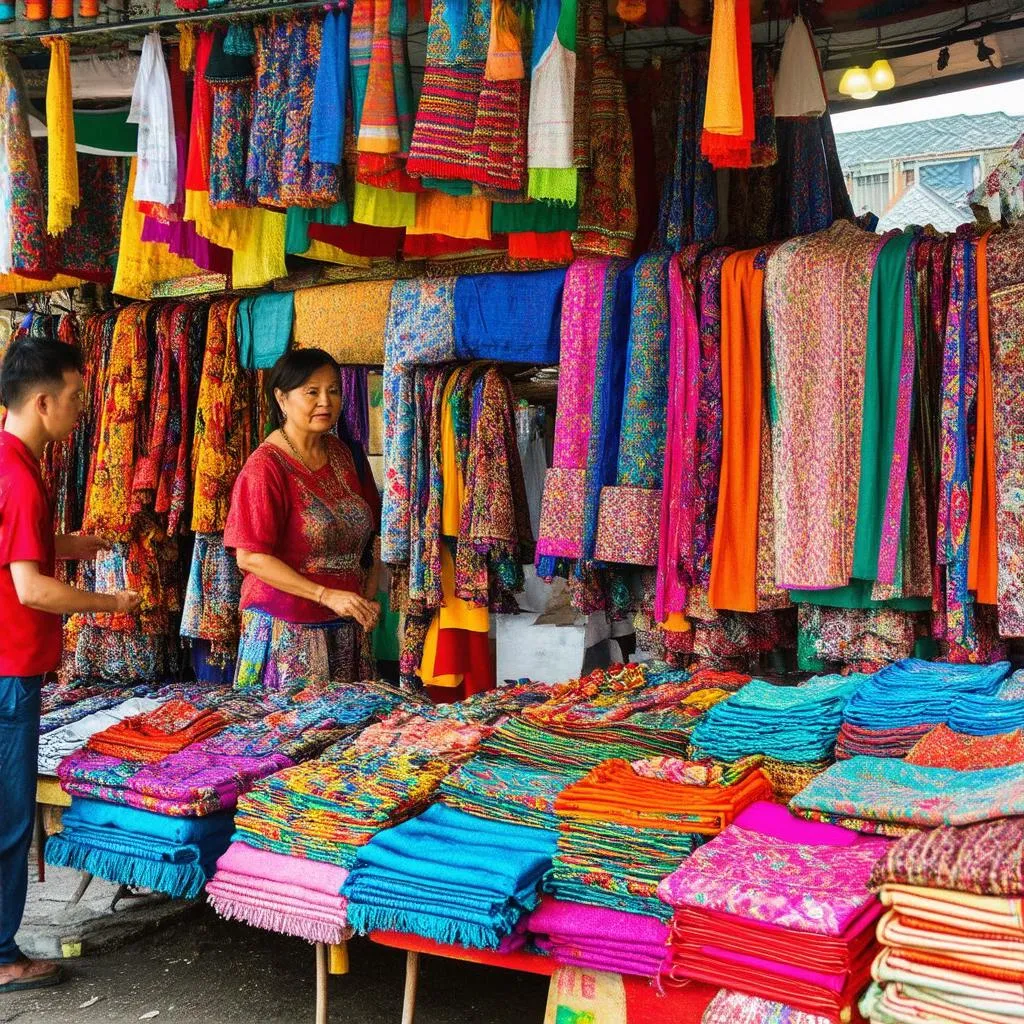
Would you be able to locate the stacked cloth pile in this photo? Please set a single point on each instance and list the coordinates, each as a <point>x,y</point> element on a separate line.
<point>793,727</point>
<point>952,934</point>
<point>895,707</point>
<point>600,938</point>
<point>778,908</point>
<point>890,797</point>
<point>627,712</point>
<point>203,779</point>
<point>57,743</point>
<point>133,847</point>
<point>450,877</point>
<point>326,809</point>
<point>624,827</point>
<point>281,894</point>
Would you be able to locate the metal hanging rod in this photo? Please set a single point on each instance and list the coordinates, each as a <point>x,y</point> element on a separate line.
<point>141,25</point>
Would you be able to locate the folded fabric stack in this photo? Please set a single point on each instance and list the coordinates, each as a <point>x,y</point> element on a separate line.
<point>890,797</point>
<point>778,908</point>
<point>450,877</point>
<point>280,894</point>
<point>60,742</point>
<point>894,708</point>
<point>953,935</point>
<point>133,847</point>
<point>75,710</point>
<point>623,828</point>
<point>600,938</point>
<point>504,791</point>
<point>326,809</point>
<point>794,727</point>
<point>625,712</point>
<point>155,734</point>
<point>980,715</point>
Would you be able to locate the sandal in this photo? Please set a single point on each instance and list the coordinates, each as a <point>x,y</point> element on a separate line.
<point>37,974</point>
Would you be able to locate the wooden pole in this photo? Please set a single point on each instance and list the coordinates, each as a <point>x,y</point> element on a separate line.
<point>321,983</point>
<point>412,973</point>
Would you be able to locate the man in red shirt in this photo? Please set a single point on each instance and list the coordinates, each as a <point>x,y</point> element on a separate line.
<point>41,386</point>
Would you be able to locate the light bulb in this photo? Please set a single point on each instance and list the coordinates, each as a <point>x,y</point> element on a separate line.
<point>867,94</point>
<point>854,80</point>
<point>881,76</point>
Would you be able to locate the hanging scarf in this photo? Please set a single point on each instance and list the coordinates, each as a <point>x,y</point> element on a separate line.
<point>23,244</point>
<point>798,85</point>
<point>427,483</point>
<point>378,126</point>
<point>230,124</point>
<point>983,568</point>
<point>561,526</point>
<point>689,197</point>
<point>817,293</point>
<point>628,517</point>
<point>764,149</point>
<point>734,559</point>
<point>729,112</point>
<point>152,110</point>
<point>1005,273</point>
<point>675,538</point>
<point>552,99</point>
<point>608,211</point>
<point>883,378</point>
<point>504,48</point>
<point>62,161</point>
<point>327,122</point>
<point>898,471</point>
<point>499,136</point>
<point>959,394</point>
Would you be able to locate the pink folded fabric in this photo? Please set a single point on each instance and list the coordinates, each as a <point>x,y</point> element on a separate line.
<point>255,906</point>
<point>242,859</point>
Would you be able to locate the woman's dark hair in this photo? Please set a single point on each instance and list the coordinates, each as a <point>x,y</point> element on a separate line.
<point>34,362</point>
<point>291,371</point>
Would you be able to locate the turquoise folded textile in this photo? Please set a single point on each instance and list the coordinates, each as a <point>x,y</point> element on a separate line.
<point>981,715</point>
<point>133,847</point>
<point>264,327</point>
<point>795,724</point>
<point>891,792</point>
<point>450,877</point>
<point>509,317</point>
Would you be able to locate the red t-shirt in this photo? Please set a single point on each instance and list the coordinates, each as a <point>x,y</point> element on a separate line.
<point>30,640</point>
<point>317,523</point>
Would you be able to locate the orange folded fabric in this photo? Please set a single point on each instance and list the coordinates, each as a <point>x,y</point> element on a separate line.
<point>734,552</point>
<point>944,748</point>
<point>156,734</point>
<point>983,558</point>
<point>614,792</point>
<point>968,965</point>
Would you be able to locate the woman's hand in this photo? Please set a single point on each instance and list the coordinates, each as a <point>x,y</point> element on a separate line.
<point>348,605</point>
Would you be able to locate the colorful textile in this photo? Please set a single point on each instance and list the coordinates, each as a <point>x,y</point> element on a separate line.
<point>210,610</point>
<point>598,937</point>
<point>734,556</point>
<point>280,894</point>
<point>817,333</point>
<point>729,112</point>
<point>735,1008</point>
<point>264,328</point>
<point>275,654</point>
<point>509,317</point>
<point>62,161</point>
<point>363,307</point>
<point>770,867</point>
<point>892,792</point>
<point>155,734</point>
<point>788,723</point>
<point>1006,314</point>
<point>133,847</point>
<point>945,748</point>
<point>986,858</point>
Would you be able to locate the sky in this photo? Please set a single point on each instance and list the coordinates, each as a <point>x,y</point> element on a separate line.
<point>1007,97</point>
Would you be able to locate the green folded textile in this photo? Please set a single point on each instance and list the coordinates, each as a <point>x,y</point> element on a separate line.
<point>534,216</point>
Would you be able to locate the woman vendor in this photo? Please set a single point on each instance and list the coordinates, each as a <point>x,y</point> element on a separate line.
<point>303,523</point>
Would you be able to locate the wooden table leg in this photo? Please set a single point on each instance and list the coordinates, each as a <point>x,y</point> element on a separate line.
<point>321,983</point>
<point>412,976</point>
<point>84,883</point>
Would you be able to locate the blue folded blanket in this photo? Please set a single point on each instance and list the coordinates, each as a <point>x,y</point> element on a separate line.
<point>450,877</point>
<point>915,692</point>
<point>140,848</point>
<point>509,317</point>
<point>981,715</point>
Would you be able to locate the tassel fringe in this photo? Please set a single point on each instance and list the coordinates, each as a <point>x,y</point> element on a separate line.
<point>275,921</point>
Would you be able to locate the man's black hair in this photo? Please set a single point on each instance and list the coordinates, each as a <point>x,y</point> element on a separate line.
<point>33,363</point>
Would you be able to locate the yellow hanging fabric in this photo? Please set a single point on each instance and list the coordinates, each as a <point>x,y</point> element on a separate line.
<point>61,159</point>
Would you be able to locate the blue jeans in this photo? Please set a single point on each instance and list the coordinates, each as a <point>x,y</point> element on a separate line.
<point>19,747</point>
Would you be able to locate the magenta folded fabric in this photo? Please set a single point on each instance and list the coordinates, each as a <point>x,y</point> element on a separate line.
<point>833,982</point>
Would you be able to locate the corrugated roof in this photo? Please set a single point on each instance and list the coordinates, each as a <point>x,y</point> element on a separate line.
<point>958,134</point>
<point>922,205</point>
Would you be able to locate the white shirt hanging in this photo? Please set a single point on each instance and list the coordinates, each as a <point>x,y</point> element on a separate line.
<point>798,88</point>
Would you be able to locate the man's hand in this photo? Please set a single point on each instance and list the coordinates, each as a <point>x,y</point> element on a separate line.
<point>80,547</point>
<point>128,601</point>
